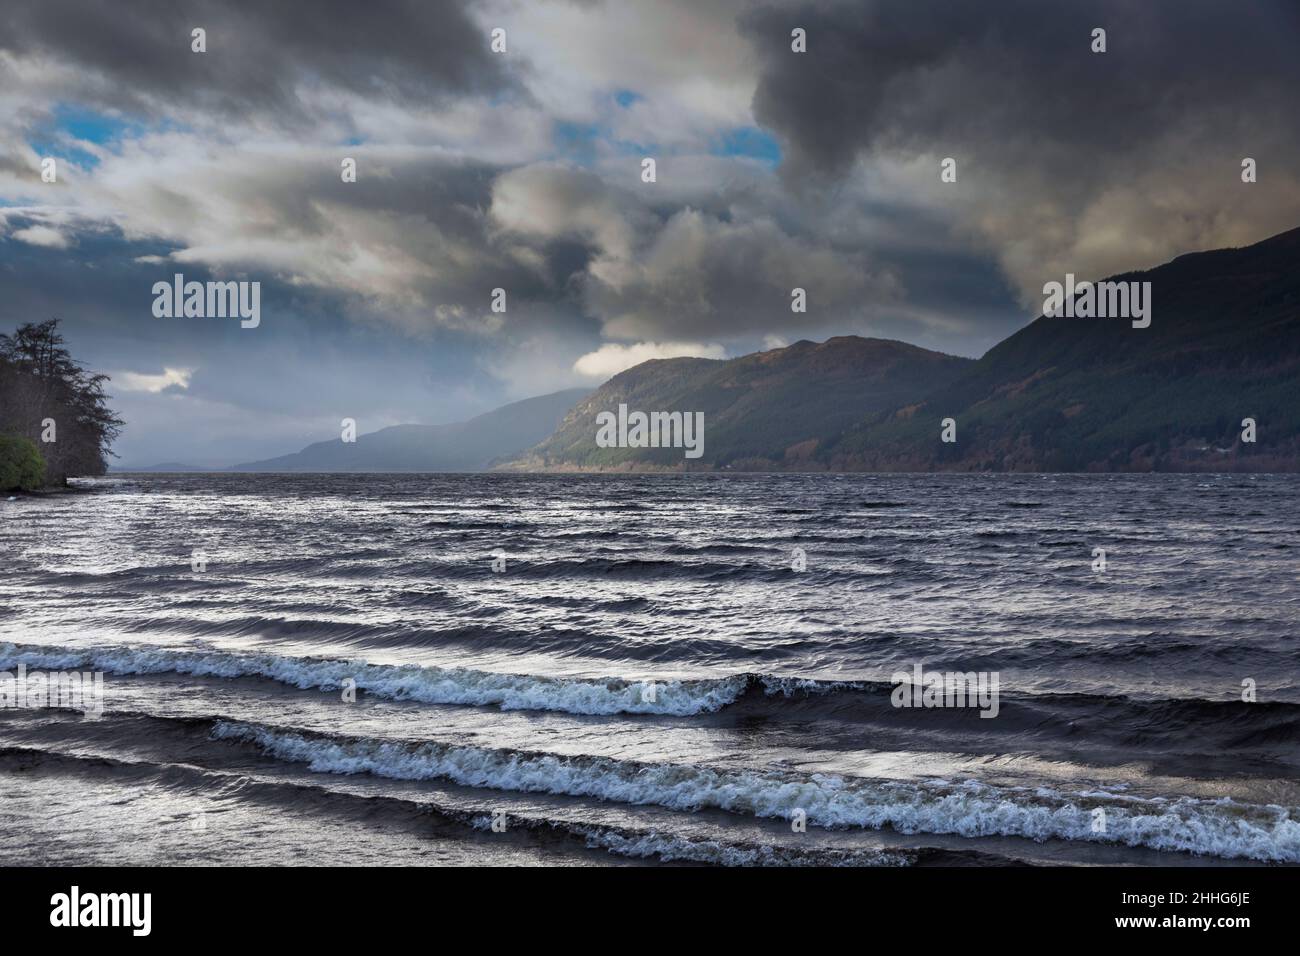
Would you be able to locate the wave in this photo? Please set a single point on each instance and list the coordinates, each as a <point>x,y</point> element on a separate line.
<point>429,685</point>
<point>765,563</point>
<point>1134,725</point>
<point>1158,725</point>
<point>647,843</point>
<point>1222,827</point>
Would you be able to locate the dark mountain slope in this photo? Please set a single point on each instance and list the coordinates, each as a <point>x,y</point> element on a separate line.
<point>1097,394</point>
<point>768,410</point>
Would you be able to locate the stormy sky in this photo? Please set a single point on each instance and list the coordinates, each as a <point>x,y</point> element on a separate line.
<point>522,170</point>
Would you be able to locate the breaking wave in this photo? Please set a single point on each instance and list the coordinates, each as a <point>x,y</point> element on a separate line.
<point>1222,827</point>
<point>430,685</point>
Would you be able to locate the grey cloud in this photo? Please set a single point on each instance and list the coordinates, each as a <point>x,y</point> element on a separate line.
<point>138,57</point>
<point>409,242</point>
<point>680,273</point>
<point>1067,159</point>
<point>1016,74</point>
<point>701,276</point>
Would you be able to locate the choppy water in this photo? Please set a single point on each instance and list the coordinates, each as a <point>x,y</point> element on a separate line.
<point>649,679</point>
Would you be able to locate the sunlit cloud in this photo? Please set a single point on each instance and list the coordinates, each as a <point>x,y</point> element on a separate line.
<point>612,358</point>
<point>144,382</point>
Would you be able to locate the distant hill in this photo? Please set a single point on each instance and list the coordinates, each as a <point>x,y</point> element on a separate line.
<point>1062,394</point>
<point>769,410</point>
<point>1096,394</point>
<point>472,445</point>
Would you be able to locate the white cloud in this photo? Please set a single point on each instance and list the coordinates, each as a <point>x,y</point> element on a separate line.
<point>685,60</point>
<point>42,236</point>
<point>143,382</point>
<point>612,358</point>
<point>551,201</point>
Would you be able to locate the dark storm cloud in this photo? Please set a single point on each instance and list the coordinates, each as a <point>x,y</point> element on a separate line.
<point>720,268</point>
<point>1017,75</point>
<point>138,54</point>
<point>1067,159</point>
<point>410,243</point>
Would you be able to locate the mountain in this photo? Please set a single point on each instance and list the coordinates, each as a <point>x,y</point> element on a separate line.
<point>1097,394</point>
<point>766,411</point>
<point>471,445</point>
<point>1062,394</point>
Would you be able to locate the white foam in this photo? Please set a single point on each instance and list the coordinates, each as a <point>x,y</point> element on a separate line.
<point>1222,828</point>
<point>430,685</point>
<point>794,686</point>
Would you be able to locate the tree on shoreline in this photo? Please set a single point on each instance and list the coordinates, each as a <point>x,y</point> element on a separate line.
<point>47,398</point>
<point>21,465</point>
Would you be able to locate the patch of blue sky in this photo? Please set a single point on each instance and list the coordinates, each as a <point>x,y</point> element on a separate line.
<point>580,143</point>
<point>62,149</point>
<point>94,127</point>
<point>577,142</point>
<point>749,142</point>
<point>71,123</point>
